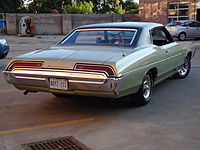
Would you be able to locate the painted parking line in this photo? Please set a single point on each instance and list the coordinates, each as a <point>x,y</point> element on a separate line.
<point>8,90</point>
<point>46,126</point>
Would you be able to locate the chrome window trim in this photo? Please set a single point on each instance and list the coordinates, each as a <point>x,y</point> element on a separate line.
<point>103,29</point>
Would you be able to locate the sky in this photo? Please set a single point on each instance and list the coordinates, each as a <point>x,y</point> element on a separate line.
<point>137,1</point>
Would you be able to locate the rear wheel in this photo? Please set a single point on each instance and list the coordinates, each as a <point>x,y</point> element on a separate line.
<point>182,36</point>
<point>184,70</point>
<point>143,96</point>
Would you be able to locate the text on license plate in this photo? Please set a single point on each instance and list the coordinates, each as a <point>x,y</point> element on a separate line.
<point>58,84</point>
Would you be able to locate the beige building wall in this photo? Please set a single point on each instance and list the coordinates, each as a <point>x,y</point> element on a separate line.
<point>63,23</point>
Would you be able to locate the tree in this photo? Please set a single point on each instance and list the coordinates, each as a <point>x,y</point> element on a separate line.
<point>45,6</point>
<point>10,6</point>
<point>130,6</point>
<point>80,8</point>
<point>66,6</point>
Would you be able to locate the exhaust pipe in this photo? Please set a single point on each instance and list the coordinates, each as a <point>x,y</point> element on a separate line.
<point>27,91</point>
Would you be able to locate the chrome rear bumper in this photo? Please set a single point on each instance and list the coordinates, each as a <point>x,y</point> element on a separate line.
<point>39,79</point>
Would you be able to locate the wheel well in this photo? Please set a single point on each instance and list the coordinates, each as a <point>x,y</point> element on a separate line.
<point>154,72</point>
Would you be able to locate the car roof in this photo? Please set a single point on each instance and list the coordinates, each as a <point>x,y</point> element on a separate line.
<point>185,21</point>
<point>137,25</point>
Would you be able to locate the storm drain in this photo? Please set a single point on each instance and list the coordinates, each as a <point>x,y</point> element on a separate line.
<point>65,143</point>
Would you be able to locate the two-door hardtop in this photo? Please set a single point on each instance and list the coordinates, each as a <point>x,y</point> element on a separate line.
<point>106,60</point>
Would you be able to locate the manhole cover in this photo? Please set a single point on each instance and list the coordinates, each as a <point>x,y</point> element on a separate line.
<point>65,143</point>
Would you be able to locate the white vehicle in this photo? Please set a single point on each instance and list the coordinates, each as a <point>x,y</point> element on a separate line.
<point>184,29</point>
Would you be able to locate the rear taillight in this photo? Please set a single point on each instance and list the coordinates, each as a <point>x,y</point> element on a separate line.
<point>178,23</point>
<point>25,64</point>
<point>100,68</point>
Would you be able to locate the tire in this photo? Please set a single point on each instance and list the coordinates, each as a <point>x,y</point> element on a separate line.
<point>184,70</point>
<point>143,96</point>
<point>2,56</point>
<point>182,36</point>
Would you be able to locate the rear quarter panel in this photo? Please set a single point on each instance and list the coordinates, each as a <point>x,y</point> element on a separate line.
<point>133,67</point>
<point>187,47</point>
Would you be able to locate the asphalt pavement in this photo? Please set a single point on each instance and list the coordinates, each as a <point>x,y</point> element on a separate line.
<point>171,121</point>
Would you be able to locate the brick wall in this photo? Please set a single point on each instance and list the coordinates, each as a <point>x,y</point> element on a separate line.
<point>157,10</point>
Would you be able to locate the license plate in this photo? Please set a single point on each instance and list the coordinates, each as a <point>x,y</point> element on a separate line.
<point>61,84</point>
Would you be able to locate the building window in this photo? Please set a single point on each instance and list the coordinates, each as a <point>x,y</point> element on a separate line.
<point>178,11</point>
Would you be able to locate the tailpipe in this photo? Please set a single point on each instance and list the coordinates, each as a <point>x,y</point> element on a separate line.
<point>27,91</point>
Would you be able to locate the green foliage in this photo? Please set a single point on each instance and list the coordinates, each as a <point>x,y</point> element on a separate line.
<point>130,6</point>
<point>117,10</point>
<point>80,8</point>
<point>10,6</point>
<point>66,6</point>
<point>45,6</point>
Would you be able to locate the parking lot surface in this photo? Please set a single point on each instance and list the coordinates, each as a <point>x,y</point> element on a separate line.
<point>169,122</point>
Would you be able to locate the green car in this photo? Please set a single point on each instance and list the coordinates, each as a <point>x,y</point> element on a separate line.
<point>110,60</point>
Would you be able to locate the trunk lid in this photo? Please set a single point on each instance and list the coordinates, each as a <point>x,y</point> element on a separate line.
<point>67,57</point>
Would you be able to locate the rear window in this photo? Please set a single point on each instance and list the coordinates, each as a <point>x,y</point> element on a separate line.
<point>175,23</point>
<point>101,37</point>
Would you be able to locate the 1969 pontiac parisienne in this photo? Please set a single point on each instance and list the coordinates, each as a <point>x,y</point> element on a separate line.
<point>105,60</point>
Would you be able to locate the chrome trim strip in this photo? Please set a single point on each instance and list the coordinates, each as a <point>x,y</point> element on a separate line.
<point>30,78</point>
<point>151,64</point>
<point>85,82</point>
<point>133,37</point>
<point>95,29</point>
<point>67,37</point>
<point>41,81</point>
<point>59,73</point>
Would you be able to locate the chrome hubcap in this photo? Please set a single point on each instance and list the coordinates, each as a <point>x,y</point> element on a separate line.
<point>147,87</point>
<point>184,68</point>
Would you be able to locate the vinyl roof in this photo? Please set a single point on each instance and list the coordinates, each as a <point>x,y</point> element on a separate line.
<point>138,25</point>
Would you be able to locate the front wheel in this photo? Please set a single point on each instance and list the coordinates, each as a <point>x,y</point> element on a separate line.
<point>184,70</point>
<point>143,96</point>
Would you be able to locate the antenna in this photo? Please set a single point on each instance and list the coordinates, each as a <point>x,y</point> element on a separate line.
<point>122,52</point>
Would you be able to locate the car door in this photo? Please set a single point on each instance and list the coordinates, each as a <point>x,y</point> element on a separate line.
<point>191,29</point>
<point>169,48</point>
<point>197,26</point>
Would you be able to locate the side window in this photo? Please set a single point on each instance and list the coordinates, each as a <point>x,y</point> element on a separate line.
<point>196,24</point>
<point>190,24</point>
<point>160,36</point>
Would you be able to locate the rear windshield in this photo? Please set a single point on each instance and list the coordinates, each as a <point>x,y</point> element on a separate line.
<point>99,37</point>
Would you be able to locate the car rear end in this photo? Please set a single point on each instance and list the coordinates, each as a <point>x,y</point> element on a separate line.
<point>175,28</point>
<point>83,63</point>
<point>78,79</point>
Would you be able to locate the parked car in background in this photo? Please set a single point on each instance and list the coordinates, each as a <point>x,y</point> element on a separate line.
<point>4,48</point>
<point>184,29</point>
<point>106,60</point>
